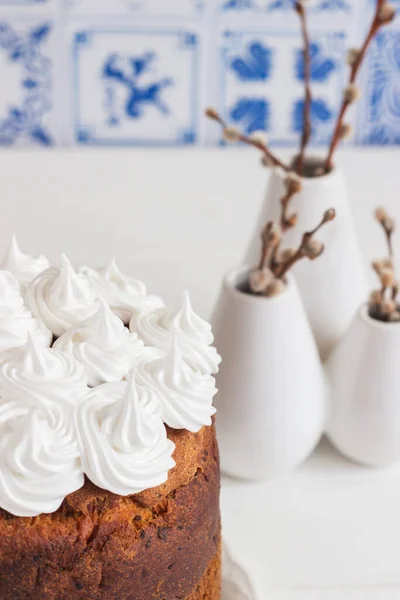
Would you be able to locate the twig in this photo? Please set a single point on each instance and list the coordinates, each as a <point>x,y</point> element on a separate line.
<point>287,221</point>
<point>388,234</point>
<point>307,248</point>
<point>293,186</point>
<point>388,226</point>
<point>270,238</point>
<point>381,308</point>
<point>384,13</point>
<point>307,126</point>
<point>240,137</point>
<point>268,278</point>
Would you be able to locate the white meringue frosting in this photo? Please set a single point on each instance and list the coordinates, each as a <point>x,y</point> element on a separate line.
<point>124,295</point>
<point>60,298</point>
<point>16,320</point>
<point>103,344</point>
<point>185,394</point>
<point>39,459</point>
<point>37,375</point>
<point>23,266</point>
<point>10,290</point>
<point>54,428</point>
<point>123,441</point>
<point>39,456</point>
<point>194,335</point>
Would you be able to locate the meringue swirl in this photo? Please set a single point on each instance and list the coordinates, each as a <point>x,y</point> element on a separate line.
<point>103,344</point>
<point>60,298</point>
<point>160,327</point>
<point>124,295</point>
<point>39,455</point>
<point>38,376</point>
<point>39,458</point>
<point>23,266</point>
<point>185,394</point>
<point>10,290</point>
<point>16,320</point>
<point>123,441</point>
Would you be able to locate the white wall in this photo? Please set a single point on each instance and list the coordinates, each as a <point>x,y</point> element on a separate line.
<point>175,219</point>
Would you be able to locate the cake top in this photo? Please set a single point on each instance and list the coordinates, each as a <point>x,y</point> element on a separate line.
<point>92,369</point>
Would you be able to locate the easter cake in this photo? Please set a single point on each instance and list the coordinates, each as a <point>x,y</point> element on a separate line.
<point>109,469</point>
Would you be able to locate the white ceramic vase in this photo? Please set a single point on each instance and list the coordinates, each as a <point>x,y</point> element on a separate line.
<point>335,285</point>
<point>271,404</point>
<point>365,392</point>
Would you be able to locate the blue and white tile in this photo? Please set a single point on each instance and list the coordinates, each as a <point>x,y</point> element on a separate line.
<point>146,8</point>
<point>29,7</point>
<point>13,3</point>
<point>379,111</point>
<point>286,6</point>
<point>27,113</point>
<point>135,86</point>
<point>372,4</point>
<point>262,82</point>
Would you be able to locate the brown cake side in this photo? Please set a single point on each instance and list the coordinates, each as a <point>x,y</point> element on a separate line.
<point>161,544</point>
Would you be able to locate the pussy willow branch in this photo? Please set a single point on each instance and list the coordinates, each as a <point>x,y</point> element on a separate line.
<point>265,254</point>
<point>388,230</point>
<point>284,268</point>
<point>385,269</point>
<point>389,241</point>
<point>307,126</point>
<point>287,221</point>
<point>388,226</point>
<point>301,252</point>
<point>354,70</point>
<point>272,158</point>
<point>274,254</point>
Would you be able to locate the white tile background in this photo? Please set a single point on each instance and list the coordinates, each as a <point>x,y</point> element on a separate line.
<point>167,60</point>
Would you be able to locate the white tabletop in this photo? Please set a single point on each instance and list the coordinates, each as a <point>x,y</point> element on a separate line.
<point>329,531</point>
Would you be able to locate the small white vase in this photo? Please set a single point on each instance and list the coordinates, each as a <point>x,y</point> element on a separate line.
<point>335,285</point>
<point>271,407</point>
<point>365,392</point>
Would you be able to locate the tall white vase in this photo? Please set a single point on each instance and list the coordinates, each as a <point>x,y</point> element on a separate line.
<point>335,285</point>
<point>271,407</point>
<point>365,392</point>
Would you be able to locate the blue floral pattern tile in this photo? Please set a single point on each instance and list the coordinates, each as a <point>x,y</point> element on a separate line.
<point>263,86</point>
<point>379,115</point>
<point>135,87</point>
<point>273,6</point>
<point>255,65</point>
<point>320,5</point>
<point>26,100</point>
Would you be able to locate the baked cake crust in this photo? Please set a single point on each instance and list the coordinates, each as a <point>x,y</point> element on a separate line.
<point>163,543</point>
